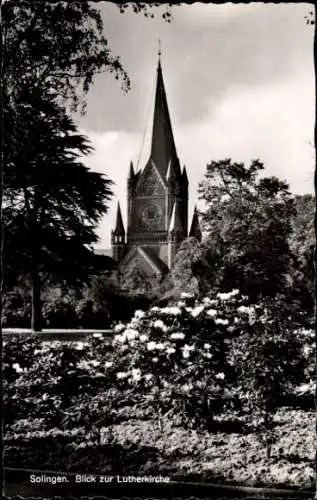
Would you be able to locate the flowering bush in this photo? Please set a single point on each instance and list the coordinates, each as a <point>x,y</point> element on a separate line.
<point>186,362</point>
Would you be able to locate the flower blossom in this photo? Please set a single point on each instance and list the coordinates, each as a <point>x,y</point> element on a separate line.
<point>187,295</point>
<point>175,311</point>
<point>139,314</point>
<point>119,327</point>
<point>197,310</point>
<point>209,302</point>
<point>221,321</point>
<point>220,375</point>
<point>160,325</point>
<point>207,346</point>
<point>122,375</point>
<point>148,376</point>
<point>131,334</point>
<point>212,312</point>
<point>79,346</point>
<point>108,364</point>
<point>151,346</point>
<point>170,350</point>
<point>119,338</point>
<point>155,360</point>
<point>17,367</point>
<point>177,336</point>
<point>136,374</point>
<point>97,335</point>
<point>143,337</point>
<point>227,296</point>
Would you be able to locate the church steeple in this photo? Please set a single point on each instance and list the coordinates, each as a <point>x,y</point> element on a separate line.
<point>195,230</point>
<point>119,228</point>
<point>163,148</point>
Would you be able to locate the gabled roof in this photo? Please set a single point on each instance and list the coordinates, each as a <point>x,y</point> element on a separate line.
<point>156,261</point>
<point>146,253</point>
<point>163,146</point>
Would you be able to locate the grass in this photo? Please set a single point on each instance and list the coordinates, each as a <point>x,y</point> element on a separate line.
<point>220,456</point>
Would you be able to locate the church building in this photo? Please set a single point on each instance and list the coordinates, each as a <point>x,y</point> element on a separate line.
<point>157,196</point>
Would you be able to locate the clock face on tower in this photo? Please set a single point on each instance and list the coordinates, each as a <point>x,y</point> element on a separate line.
<point>151,217</point>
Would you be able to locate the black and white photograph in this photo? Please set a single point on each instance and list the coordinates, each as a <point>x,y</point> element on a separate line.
<point>158,249</point>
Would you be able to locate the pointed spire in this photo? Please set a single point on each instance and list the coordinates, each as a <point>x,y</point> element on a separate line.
<point>163,146</point>
<point>119,229</point>
<point>131,171</point>
<point>184,176</point>
<point>195,230</point>
<point>176,218</point>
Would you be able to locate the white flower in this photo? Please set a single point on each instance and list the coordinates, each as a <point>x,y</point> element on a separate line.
<point>196,312</point>
<point>17,367</point>
<point>227,296</point>
<point>208,355</point>
<point>155,360</point>
<point>175,311</point>
<point>224,197</point>
<point>186,354</point>
<point>139,314</point>
<point>246,310</point>
<point>119,338</point>
<point>97,335</point>
<point>121,375</point>
<point>221,321</point>
<point>209,302</point>
<point>170,350</point>
<point>94,363</point>
<point>189,347</point>
<point>207,346</point>
<point>131,334</point>
<point>160,346</point>
<point>212,312</point>
<point>151,346</point>
<point>177,335</point>
<point>148,376</point>
<point>220,375</point>
<point>187,387</point>
<point>119,327</point>
<point>79,346</point>
<point>108,364</point>
<point>143,337</point>
<point>136,374</point>
<point>160,325</point>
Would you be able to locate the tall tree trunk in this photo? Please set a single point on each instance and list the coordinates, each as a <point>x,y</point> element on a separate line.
<point>36,318</point>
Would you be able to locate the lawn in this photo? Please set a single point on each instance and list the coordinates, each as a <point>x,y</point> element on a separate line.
<point>138,447</point>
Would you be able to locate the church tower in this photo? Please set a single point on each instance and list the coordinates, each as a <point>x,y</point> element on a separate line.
<point>157,196</point>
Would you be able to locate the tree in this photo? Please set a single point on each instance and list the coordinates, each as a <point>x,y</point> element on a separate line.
<point>136,281</point>
<point>302,242</point>
<point>59,46</point>
<point>248,221</point>
<point>52,201</point>
<point>189,267</point>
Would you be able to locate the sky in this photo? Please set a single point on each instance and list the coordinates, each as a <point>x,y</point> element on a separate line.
<point>240,84</point>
